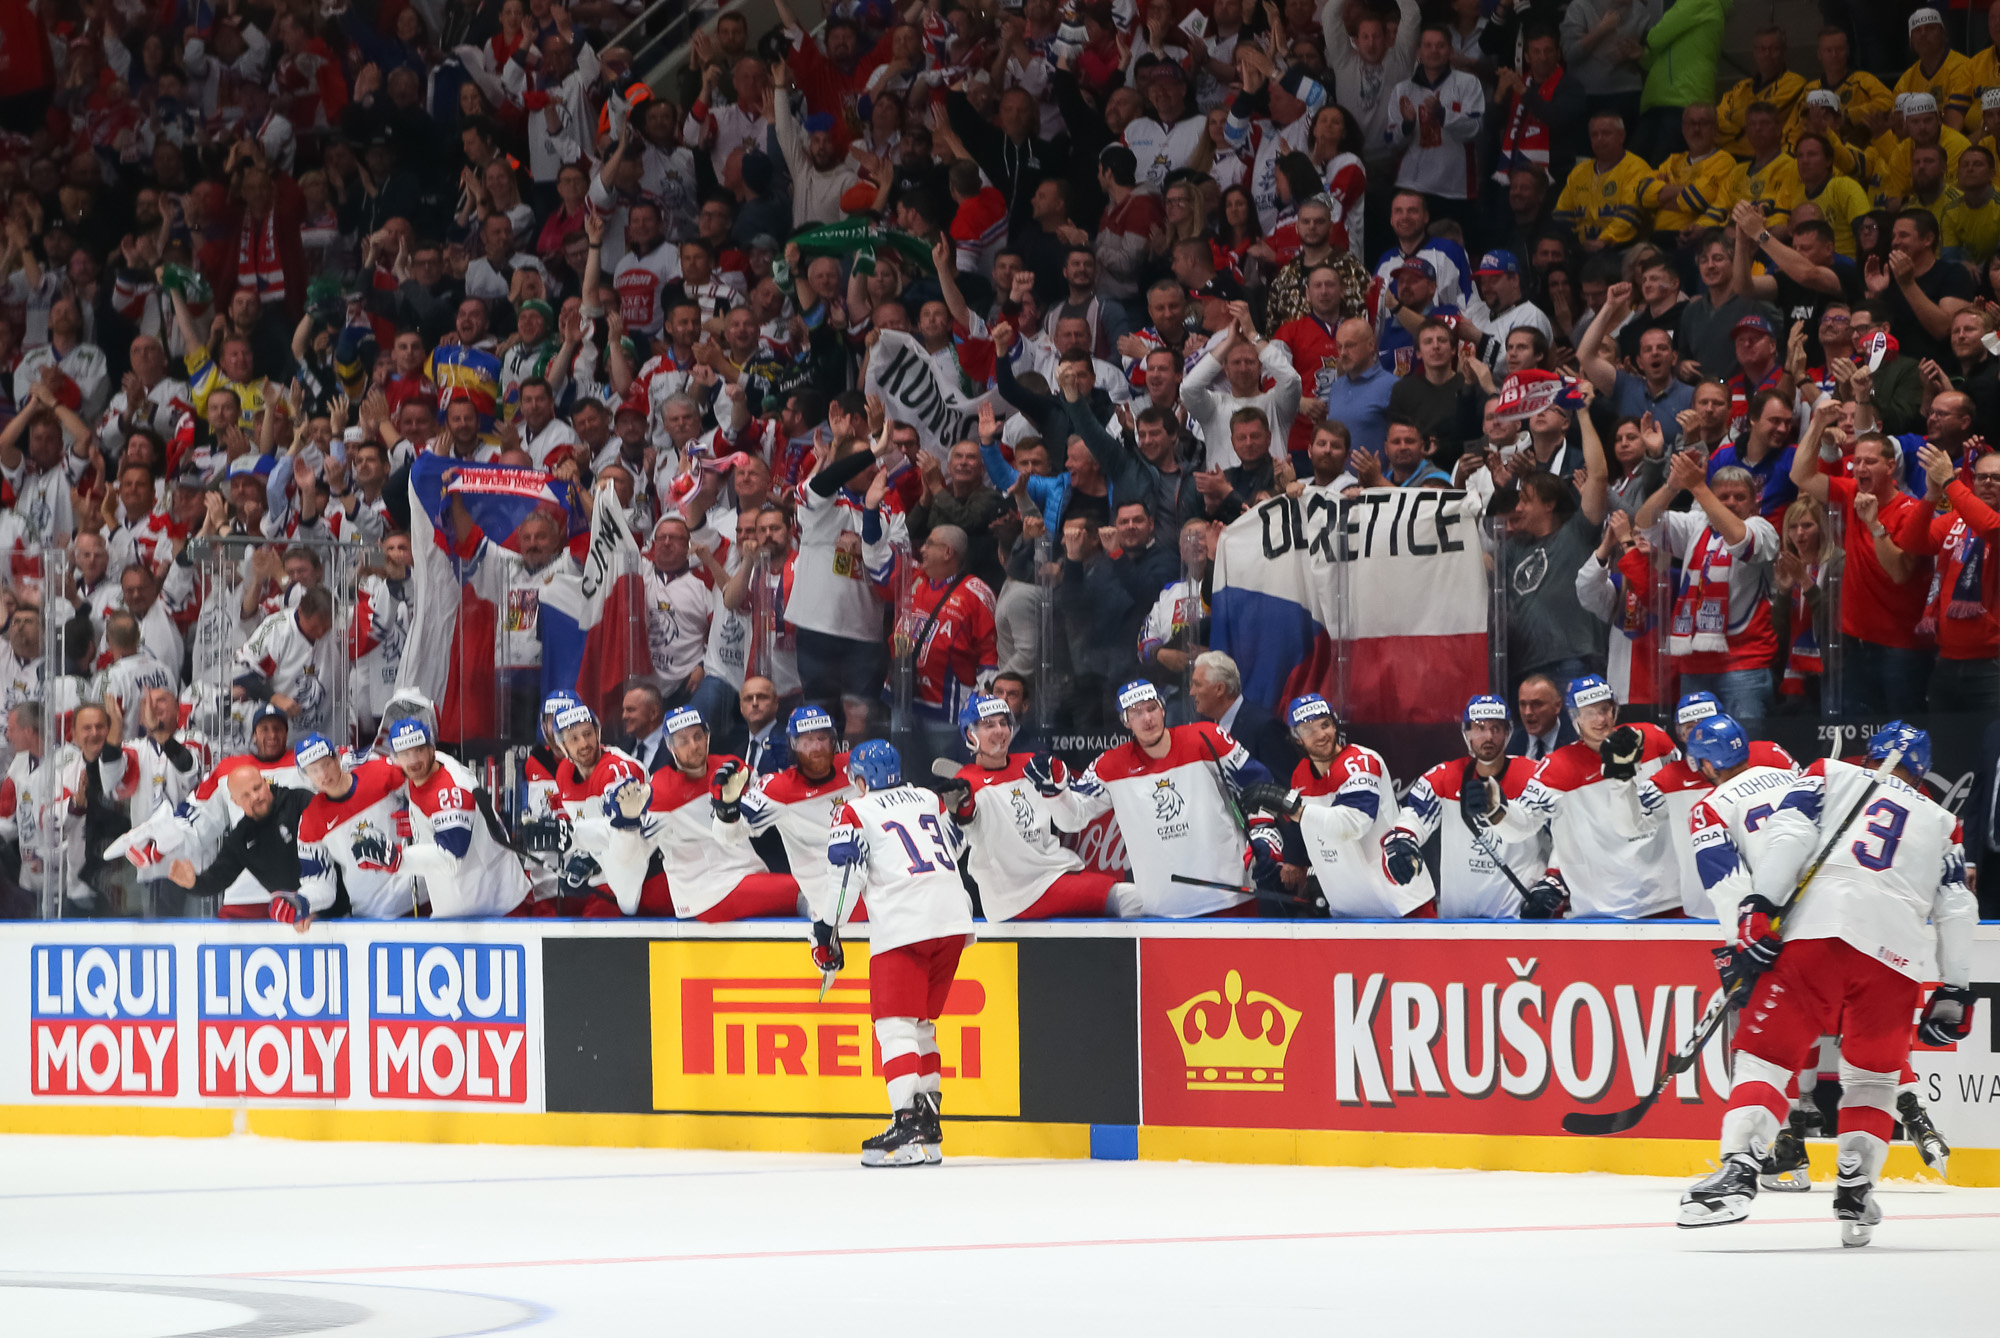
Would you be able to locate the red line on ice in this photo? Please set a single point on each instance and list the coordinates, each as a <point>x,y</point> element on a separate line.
<point>835,1253</point>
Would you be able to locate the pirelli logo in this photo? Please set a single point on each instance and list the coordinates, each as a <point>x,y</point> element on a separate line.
<point>739,1026</point>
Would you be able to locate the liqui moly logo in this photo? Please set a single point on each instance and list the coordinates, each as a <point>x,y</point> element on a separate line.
<point>103,1020</point>
<point>273,1021</point>
<point>449,1022</point>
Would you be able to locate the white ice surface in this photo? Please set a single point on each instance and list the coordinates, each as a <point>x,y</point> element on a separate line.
<point>435,1240</point>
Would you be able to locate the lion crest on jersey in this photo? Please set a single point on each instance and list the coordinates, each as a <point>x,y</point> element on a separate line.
<point>1023,811</point>
<point>373,851</point>
<point>1167,801</point>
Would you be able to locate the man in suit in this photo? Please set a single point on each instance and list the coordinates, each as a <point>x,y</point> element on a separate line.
<point>1544,725</point>
<point>644,715</point>
<point>760,739</point>
<point>1217,688</point>
<point>1012,688</point>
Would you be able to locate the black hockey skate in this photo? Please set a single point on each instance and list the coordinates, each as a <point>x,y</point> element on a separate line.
<point>930,1128</point>
<point>1854,1207</point>
<point>1724,1197</point>
<point>1917,1127</point>
<point>901,1144</point>
<point>1785,1168</point>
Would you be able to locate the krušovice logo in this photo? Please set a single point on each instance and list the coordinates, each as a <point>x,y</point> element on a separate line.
<point>103,1020</point>
<point>449,1022</point>
<point>1234,1041</point>
<point>274,1021</point>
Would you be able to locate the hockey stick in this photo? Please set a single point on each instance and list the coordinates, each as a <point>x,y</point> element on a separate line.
<point>1473,825</point>
<point>946,769</point>
<point>839,908</point>
<point>1590,1122</point>
<point>1316,903</point>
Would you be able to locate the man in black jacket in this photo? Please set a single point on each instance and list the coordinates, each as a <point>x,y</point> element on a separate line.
<point>1142,466</point>
<point>266,844</point>
<point>1012,154</point>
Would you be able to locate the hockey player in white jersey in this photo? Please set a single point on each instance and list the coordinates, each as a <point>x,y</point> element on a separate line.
<point>800,802</point>
<point>1611,852</point>
<point>1479,875</point>
<point>1175,789</point>
<point>894,843</point>
<point>708,878</point>
<point>466,871</point>
<point>1004,804</point>
<point>1345,806</point>
<point>352,833</point>
<point>1684,784</point>
<point>1887,911</point>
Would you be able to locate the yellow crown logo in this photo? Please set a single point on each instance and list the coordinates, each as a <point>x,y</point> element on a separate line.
<point>1234,1041</point>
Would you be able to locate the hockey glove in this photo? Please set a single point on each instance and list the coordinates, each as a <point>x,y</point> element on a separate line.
<point>1947,1017</point>
<point>1547,899</point>
<point>545,834</point>
<point>1047,774</point>
<point>731,779</point>
<point>1478,797</point>
<point>626,804</point>
<point>1267,844</point>
<point>145,854</point>
<point>827,952</point>
<point>1273,799</point>
<point>579,871</point>
<point>290,907</point>
<point>1756,947</point>
<point>1620,753</point>
<point>1402,857</point>
<point>403,828</point>
<point>956,796</point>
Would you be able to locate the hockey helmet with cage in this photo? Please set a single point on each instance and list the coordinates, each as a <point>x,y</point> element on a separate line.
<point>805,720</point>
<point>982,706</point>
<point>1696,707</point>
<point>1914,743</point>
<point>876,764</point>
<point>1719,741</point>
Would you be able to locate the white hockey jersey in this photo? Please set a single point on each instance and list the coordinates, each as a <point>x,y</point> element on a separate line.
<point>1893,888</point>
<point>280,653</point>
<point>1684,787</point>
<point>1470,885</point>
<point>466,871</point>
<point>145,776</point>
<point>126,680</point>
<point>701,867</point>
<point>1349,808</point>
<point>35,811</point>
<point>1611,842</point>
<point>1014,855</point>
<point>908,870</point>
<point>1176,817</point>
<point>1728,829</point>
<point>359,841</point>
<point>802,813</point>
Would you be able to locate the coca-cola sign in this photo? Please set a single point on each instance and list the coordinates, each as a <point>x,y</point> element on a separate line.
<point>1437,1034</point>
<point>1102,846</point>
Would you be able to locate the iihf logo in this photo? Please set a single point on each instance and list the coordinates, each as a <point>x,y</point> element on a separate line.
<point>1167,802</point>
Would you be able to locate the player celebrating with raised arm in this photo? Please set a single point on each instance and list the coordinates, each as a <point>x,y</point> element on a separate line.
<point>1684,784</point>
<point>465,868</point>
<point>351,835</point>
<point>1174,789</point>
<point>1004,804</point>
<point>603,792</point>
<point>1345,806</point>
<point>1480,875</point>
<point>892,842</point>
<point>709,878</point>
<point>800,802</point>
<point>1612,853</point>
<point>1887,911</point>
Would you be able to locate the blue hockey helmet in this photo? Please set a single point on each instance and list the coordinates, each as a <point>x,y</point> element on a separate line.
<point>1588,690</point>
<point>1719,741</point>
<point>684,717</point>
<point>555,702</point>
<point>408,733</point>
<point>982,706</point>
<point>1133,693</point>
<point>570,716</point>
<point>1696,707</point>
<point>1483,706</point>
<point>1915,745</point>
<point>806,719</point>
<point>876,763</point>
<point>315,748</point>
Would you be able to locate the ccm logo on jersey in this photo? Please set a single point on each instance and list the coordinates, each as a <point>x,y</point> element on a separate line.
<point>273,1021</point>
<point>449,1022</point>
<point>103,1020</point>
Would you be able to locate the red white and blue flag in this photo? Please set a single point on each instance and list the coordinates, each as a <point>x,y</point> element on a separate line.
<point>594,626</point>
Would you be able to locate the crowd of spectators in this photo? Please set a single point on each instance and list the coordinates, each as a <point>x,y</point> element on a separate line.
<point>257,258</point>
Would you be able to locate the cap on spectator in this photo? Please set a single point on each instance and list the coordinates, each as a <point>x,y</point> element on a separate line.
<point>252,464</point>
<point>1160,68</point>
<point>576,713</point>
<point>1754,323</point>
<point>1484,706</point>
<point>1497,262</point>
<point>858,198</point>
<point>1135,692</point>
<point>536,304</point>
<point>806,719</point>
<point>685,717</point>
<point>1301,85</point>
<point>408,733</point>
<point>1920,104</point>
<point>764,241</point>
<point>313,748</point>
<point>1697,706</point>
<point>1415,265</point>
<point>1990,100</point>
<point>1311,706</point>
<point>1924,17</point>
<point>268,712</point>
<point>819,123</point>
<point>1823,97</point>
